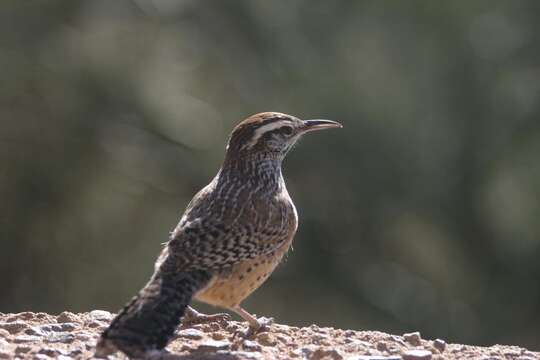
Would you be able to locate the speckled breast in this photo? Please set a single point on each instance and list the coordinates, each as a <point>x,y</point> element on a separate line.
<point>230,288</point>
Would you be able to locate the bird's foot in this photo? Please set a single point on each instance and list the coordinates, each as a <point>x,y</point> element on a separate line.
<point>262,324</point>
<point>193,317</point>
<point>255,324</point>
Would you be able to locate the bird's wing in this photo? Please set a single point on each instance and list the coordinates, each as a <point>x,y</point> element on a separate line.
<point>203,244</point>
<point>233,234</point>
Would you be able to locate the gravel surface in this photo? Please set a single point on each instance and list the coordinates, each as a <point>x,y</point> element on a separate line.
<point>73,336</point>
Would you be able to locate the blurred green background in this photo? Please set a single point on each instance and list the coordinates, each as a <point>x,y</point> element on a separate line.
<point>422,214</point>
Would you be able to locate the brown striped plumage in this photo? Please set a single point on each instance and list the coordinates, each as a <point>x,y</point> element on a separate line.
<point>231,237</point>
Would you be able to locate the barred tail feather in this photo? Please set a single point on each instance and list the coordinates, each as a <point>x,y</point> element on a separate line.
<point>149,320</point>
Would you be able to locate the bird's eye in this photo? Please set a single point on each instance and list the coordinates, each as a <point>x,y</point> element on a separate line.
<point>287,130</point>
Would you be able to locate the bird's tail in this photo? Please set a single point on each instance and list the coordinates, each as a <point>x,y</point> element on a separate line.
<point>149,320</point>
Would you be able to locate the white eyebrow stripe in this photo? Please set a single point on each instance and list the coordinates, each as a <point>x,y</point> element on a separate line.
<point>264,129</point>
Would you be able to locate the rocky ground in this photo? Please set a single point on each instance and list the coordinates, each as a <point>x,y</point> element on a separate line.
<point>73,336</point>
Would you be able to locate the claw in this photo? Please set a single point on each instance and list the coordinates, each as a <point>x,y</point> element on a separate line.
<point>193,317</point>
<point>262,324</point>
<point>255,324</point>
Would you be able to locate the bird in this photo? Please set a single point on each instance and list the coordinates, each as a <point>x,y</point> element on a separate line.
<point>232,235</point>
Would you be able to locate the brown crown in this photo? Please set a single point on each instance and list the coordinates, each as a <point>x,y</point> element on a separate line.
<point>244,131</point>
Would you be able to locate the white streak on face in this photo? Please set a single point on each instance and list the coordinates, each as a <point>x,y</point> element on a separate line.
<point>264,129</point>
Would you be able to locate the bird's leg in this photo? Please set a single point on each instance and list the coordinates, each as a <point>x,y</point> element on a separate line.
<point>192,316</point>
<point>255,324</point>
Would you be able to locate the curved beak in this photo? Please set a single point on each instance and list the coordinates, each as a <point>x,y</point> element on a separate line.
<point>319,124</point>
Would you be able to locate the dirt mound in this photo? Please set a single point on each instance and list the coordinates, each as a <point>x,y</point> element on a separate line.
<point>73,336</point>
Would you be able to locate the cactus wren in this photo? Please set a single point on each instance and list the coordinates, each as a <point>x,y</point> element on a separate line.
<point>231,237</point>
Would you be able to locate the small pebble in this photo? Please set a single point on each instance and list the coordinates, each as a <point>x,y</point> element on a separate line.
<point>511,353</point>
<point>26,315</point>
<point>84,336</point>
<point>46,329</point>
<point>4,333</point>
<point>357,346</point>
<point>14,327</point>
<point>319,339</point>
<point>22,349</point>
<point>232,327</point>
<point>398,339</point>
<point>325,354</point>
<point>382,346</point>
<point>44,316</point>
<point>26,338</point>
<point>413,338</point>
<point>266,339</point>
<point>52,327</point>
<point>212,346</point>
<point>41,357</point>
<point>295,353</point>
<point>4,355</point>
<point>101,315</point>
<point>307,350</point>
<point>60,338</point>
<point>35,330</point>
<point>64,357</point>
<point>439,344</point>
<point>283,339</point>
<point>68,326</point>
<point>96,324</point>
<point>416,355</point>
<point>49,351</point>
<point>218,336</point>
<point>251,345</point>
<point>75,352</point>
<point>193,334</point>
<point>238,355</point>
<point>67,317</point>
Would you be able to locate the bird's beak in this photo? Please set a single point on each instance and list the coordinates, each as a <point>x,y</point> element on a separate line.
<point>319,124</point>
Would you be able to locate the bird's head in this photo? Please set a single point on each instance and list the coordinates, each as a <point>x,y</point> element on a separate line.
<point>271,134</point>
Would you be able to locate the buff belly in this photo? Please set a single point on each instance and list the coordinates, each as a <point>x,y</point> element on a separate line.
<point>230,289</point>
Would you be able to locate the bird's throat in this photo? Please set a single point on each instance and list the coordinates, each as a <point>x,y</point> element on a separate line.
<point>262,171</point>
